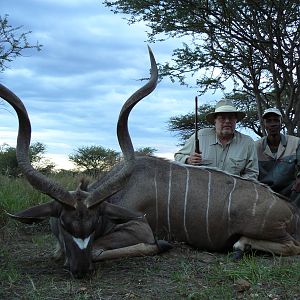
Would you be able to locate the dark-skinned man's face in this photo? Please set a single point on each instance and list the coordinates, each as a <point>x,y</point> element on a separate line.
<point>272,123</point>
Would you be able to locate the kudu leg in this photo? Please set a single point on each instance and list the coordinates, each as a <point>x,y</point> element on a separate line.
<point>141,249</point>
<point>134,238</point>
<point>286,248</point>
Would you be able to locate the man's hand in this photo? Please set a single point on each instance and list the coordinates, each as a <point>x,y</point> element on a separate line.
<point>296,186</point>
<point>196,158</point>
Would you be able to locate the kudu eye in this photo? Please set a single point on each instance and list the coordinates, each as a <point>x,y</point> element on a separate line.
<point>62,223</point>
<point>66,225</point>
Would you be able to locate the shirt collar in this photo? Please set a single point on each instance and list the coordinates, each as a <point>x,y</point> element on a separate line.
<point>280,150</point>
<point>283,141</point>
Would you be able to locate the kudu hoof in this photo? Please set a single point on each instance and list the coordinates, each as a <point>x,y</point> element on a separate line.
<point>163,246</point>
<point>237,254</point>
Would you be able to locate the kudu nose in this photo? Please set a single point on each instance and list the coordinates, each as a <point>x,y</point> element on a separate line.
<point>80,273</point>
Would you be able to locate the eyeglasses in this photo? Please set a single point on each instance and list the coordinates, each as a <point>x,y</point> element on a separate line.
<point>224,117</point>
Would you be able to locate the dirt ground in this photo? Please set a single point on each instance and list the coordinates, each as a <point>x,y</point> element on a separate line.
<point>29,272</point>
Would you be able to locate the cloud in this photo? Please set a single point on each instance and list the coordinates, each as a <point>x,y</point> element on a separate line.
<point>91,62</point>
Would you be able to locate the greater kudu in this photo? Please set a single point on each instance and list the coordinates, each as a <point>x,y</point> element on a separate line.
<point>203,207</point>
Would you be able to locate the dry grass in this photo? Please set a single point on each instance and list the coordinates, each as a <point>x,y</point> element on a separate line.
<point>27,271</point>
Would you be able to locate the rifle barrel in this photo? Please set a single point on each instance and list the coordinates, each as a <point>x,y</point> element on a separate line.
<point>197,148</point>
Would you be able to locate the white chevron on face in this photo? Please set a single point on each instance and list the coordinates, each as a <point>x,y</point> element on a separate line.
<point>81,243</point>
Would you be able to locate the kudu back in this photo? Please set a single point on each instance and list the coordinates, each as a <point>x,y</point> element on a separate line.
<point>116,215</point>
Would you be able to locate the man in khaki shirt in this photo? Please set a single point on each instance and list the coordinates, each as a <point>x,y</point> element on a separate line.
<point>222,147</point>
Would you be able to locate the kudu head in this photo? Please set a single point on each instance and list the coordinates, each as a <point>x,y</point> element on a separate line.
<point>78,216</point>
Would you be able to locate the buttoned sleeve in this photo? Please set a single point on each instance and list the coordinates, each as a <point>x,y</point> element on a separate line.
<point>251,169</point>
<point>186,150</point>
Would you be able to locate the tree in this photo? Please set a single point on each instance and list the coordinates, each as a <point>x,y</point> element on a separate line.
<point>94,159</point>
<point>184,125</point>
<point>253,43</point>
<point>13,42</point>
<point>145,151</point>
<point>9,163</point>
<point>38,160</point>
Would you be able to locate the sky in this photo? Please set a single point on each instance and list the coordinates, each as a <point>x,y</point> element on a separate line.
<point>91,62</point>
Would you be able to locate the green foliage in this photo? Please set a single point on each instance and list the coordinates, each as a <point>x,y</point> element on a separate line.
<point>9,164</point>
<point>11,275</point>
<point>184,125</point>
<point>17,194</point>
<point>13,42</point>
<point>28,272</point>
<point>145,151</point>
<point>94,159</point>
<point>8,161</point>
<point>255,46</point>
<point>252,277</point>
<point>36,156</point>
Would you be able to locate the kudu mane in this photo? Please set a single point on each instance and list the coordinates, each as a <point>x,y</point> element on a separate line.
<point>212,169</point>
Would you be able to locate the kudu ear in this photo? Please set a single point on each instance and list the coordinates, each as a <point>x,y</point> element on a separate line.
<point>37,213</point>
<point>118,214</point>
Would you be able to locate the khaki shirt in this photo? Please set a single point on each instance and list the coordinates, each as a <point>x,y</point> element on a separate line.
<point>238,157</point>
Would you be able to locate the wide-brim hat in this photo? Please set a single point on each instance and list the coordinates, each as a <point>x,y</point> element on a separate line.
<point>224,106</point>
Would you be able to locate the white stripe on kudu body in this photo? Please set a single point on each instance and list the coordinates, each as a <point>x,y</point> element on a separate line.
<point>185,202</point>
<point>207,206</point>
<point>267,213</point>
<point>255,202</point>
<point>229,205</point>
<point>297,218</point>
<point>156,200</point>
<point>169,199</point>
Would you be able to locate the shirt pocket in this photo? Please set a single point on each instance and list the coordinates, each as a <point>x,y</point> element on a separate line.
<point>287,166</point>
<point>237,165</point>
<point>289,159</point>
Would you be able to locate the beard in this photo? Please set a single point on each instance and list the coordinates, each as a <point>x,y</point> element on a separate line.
<point>226,132</point>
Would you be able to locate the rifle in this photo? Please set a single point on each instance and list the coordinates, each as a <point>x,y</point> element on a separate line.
<point>197,148</point>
